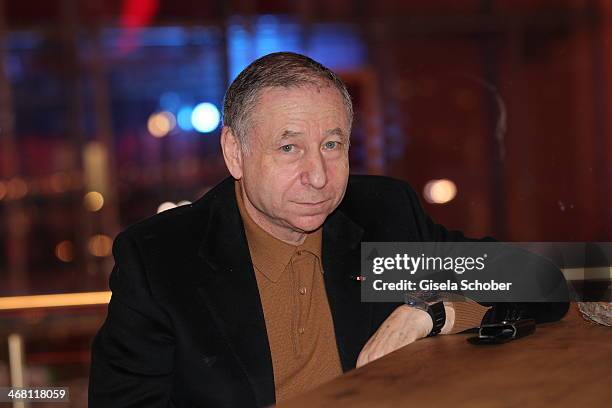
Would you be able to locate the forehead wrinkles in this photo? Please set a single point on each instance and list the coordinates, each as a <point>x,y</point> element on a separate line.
<point>293,124</point>
<point>283,104</point>
<point>278,109</point>
<point>278,97</point>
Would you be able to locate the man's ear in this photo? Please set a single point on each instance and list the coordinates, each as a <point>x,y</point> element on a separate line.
<point>232,152</point>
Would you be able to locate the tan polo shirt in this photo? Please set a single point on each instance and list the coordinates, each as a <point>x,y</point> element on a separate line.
<point>296,310</point>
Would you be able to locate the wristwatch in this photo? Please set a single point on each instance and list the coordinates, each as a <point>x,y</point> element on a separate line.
<point>433,306</point>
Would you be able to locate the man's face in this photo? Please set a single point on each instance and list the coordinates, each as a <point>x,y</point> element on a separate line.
<point>296,170</point>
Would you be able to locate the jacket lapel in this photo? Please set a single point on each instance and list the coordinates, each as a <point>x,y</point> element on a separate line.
<point>231,294</point>
<point>341,265</point>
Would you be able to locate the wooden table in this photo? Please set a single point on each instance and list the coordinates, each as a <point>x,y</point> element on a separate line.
<point>566,363</point>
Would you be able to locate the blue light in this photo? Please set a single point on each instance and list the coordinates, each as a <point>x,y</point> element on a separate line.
<point>337,45</point>
<point>205,117</point>
<point>169,101</point>
<point>183,118</point>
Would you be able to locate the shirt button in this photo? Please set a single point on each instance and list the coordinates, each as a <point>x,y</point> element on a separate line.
<point>302,291</point>
<point>301,330</point>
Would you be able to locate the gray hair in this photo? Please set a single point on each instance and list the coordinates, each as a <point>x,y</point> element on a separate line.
<point>279,69</point>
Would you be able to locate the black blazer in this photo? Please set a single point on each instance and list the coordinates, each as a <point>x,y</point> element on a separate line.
<point>185,325</point>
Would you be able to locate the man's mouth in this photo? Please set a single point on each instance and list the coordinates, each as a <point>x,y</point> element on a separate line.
<point>311,203</point>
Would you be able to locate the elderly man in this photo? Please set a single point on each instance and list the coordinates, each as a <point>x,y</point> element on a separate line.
<point>248,296</point>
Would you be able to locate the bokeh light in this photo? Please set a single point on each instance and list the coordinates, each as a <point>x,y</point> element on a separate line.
<point>93,201</point>
<point>161,123</point>
<point>64,251</point>
<point>183,118</point>
<point>205,117</point>
<point>100,245</point>
<point>439,191</point>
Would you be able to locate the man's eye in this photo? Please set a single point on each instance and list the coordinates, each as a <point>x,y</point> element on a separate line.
<point>331,145</point>
<point>287,148</point>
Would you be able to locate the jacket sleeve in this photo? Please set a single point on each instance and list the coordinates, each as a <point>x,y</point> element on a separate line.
<point>544,311</point>
<point>132,354</point>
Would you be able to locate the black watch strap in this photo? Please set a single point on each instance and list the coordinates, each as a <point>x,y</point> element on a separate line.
<point>438,317</point>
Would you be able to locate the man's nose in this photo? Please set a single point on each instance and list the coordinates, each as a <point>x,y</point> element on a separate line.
<point>315,171</point>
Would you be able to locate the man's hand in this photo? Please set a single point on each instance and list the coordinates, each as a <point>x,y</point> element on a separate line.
<point>405,325</point>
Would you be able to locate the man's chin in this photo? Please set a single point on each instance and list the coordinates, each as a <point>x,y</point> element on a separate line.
<point>309,223</point>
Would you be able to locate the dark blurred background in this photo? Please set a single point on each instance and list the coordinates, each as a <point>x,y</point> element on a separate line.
<point>497,113</point>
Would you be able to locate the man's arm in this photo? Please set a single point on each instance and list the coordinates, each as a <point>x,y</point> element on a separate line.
<point>541,311</point>
<point>405,324</point>
<point>132,354</point>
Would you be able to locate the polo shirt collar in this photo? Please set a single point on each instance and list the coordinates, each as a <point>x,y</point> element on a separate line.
<point>270,255</point>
